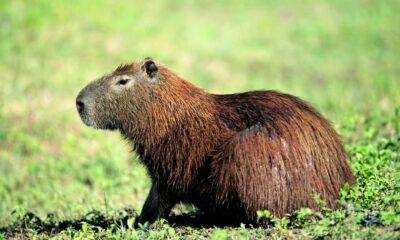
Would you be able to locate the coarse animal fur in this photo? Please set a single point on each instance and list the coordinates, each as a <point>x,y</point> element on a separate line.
<point>229,155</point>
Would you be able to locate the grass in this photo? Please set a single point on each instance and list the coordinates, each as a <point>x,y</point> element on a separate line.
<point>342,56</point>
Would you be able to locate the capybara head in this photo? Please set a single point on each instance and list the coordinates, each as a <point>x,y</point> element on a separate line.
<point>111,101</point>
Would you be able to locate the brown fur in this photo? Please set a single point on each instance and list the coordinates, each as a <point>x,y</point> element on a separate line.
<point>230,155</point>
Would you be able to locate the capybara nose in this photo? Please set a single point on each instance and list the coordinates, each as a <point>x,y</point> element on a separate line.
<point>80,104</point>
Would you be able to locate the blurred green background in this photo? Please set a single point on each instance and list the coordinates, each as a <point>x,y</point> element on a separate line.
<point>342,56</point>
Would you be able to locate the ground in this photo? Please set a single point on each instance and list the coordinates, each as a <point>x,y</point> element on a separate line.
<point>61,179</point>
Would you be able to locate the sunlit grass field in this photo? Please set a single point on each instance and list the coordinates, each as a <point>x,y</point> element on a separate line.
<point>341,56</point>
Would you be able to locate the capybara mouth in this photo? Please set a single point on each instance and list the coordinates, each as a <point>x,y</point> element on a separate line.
<point>85,119</point>
<point>90,122</point>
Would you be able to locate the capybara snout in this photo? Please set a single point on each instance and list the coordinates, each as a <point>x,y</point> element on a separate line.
<point>86,106</point>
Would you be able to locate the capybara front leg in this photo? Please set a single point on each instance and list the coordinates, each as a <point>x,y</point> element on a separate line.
<point>156,206</point>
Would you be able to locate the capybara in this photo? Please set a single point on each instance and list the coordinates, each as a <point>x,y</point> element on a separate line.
<point>229,155</point>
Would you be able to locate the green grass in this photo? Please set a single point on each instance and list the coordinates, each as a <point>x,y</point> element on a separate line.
<point>342,56</point>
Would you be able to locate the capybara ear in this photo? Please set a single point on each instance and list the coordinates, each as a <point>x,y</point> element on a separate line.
<point>150,67</point>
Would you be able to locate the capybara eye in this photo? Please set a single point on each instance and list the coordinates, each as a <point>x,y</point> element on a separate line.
<point>123,81</point>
